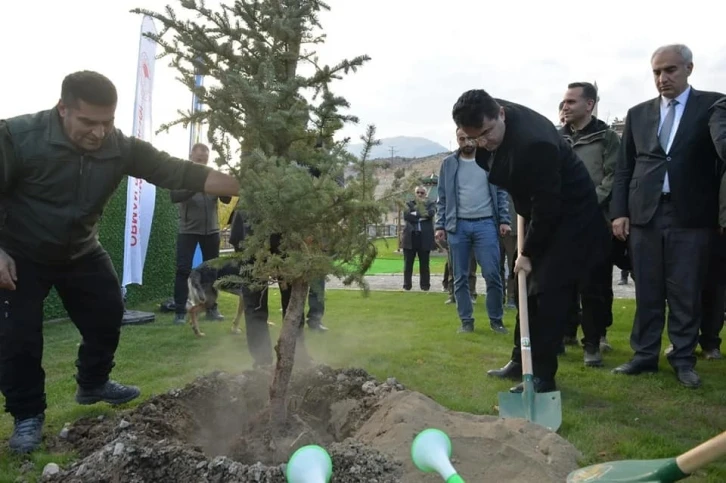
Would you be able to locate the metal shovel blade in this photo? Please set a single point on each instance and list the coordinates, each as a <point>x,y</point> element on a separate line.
<point>544,409</point>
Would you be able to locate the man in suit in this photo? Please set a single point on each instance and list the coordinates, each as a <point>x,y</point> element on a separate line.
<point>566,235</point>
<point>665,199</point>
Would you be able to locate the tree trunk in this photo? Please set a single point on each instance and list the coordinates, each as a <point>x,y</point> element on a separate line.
<point>285,350</point>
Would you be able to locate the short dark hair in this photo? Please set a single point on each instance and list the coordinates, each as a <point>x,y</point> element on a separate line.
<point>589,91</point>
<point>88,86</point>
<point>200,146</point>
<point>473,106</point>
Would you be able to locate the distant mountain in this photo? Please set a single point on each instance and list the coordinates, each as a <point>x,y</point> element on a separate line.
<point>403,147</point>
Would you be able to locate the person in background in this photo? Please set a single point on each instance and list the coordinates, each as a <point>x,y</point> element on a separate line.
<point>508,252</point>
<point>597,145</point>
<point>472,213</point>
<point>418,238</point>
<point>198,225</point>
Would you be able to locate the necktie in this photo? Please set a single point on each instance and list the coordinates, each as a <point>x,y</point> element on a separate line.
<point>665,130</point>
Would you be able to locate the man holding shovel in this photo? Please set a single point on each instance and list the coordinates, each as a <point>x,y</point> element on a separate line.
<point>566,234</point>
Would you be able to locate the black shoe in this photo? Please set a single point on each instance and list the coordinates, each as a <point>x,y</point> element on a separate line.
<point>498,326</point>
<point>111,392</point>
<point>213,314</point>
<point>571,340</point>
<point>406,288</point>
<point>688,378</point>
<point>712,354</point>
<point>425,289</point>
<point>27,434</point>
<point>512,370</point>
<point>180,319</point>
<point>540,385</point>
<point>466,328</point>
<point>633,368</point>
<point>593,357</point>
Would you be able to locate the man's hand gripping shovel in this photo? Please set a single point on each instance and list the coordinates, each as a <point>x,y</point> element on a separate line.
<point>544,409</point>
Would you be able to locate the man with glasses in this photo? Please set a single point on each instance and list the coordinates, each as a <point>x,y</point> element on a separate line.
<point>472,213</point>
<point>418,239</point>
<point>566,234</point>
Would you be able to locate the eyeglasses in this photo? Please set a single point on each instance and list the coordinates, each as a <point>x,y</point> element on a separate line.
<point>420,192</point>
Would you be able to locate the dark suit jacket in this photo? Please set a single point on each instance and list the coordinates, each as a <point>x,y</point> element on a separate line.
<point>427,225</point>
<point>551,188</point>
<point>692,164</point>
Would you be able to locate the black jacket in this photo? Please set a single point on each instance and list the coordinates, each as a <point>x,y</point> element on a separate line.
<point>426,222</point>
<point>551,188</point>
<point>52,195</point>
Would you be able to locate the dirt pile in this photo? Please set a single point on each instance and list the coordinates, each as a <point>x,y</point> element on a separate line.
<point>215,430</point>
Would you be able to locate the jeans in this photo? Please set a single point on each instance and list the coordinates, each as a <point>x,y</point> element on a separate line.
<point>483,237</point>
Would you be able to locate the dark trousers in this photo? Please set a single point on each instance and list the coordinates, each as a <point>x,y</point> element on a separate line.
<point>256,316</point>
<point>596,299</point>
<point>508,249</point>
<point>574,315</point>
<point>186,245</point>
<point>91,294</point>
<point>409,256</point>
<point>592,306</point>
<point>669,264</point>
<point>316,303</point>
<point>547,314</point>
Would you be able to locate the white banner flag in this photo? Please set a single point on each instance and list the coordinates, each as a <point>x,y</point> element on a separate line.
<point>141,195</point>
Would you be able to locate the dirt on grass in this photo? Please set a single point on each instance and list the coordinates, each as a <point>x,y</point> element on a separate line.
<point>215,430</point>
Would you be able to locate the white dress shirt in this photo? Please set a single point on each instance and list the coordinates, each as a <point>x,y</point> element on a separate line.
<point>664,101</point>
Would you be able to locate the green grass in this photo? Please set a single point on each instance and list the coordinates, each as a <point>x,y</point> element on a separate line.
<point>390,261</point>
<point>412,336</point>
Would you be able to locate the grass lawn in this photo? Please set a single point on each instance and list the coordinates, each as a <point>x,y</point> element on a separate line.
<point>390,261</point>
<point>412,336</point>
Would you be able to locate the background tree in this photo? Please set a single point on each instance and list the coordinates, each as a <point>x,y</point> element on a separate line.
<point>272,127</point>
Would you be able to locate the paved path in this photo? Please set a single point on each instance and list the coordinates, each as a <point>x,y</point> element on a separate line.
<point>394,282</point>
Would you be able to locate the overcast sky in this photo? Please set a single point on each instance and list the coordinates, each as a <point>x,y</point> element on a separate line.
<point>424,54</point>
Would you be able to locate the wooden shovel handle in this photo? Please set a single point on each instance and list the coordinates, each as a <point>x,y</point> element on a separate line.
<point>522,306</point>
<point>702,454</point>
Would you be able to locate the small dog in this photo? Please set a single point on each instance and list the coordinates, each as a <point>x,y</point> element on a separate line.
<point>203,294</point>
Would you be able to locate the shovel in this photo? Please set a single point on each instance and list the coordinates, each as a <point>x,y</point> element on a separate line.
<point>654,471</point>
<point>544,409</point>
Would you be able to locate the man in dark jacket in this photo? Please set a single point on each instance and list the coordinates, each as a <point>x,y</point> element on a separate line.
<point>58,169</point>
<point>566,234</point>
<point>198,225</point>
<point>418,238</point>
<point>597,145</point>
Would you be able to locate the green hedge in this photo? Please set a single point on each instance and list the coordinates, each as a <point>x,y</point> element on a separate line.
<point>160,266</point>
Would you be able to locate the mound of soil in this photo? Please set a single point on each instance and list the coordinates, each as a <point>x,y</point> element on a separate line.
<point>215,430</point>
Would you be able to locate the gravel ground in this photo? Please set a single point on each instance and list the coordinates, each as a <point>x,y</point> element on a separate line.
<point>394,282</point>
